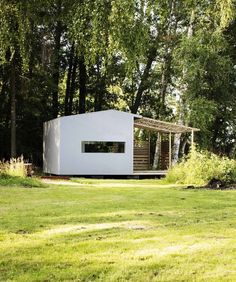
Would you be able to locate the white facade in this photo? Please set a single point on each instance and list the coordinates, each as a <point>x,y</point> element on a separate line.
<point>51,146</point>
<point>63,138</point>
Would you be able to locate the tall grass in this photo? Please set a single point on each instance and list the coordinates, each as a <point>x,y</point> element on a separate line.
<point>14,167</point>
<point>199,167</point>
<point>13,173</point>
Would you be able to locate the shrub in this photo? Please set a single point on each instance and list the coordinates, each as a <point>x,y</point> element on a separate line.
<point>13,173</point>
<point>200,167</point>
<point>15,167</point>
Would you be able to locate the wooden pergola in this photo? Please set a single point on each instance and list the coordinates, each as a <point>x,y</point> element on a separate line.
<point>164,127</point>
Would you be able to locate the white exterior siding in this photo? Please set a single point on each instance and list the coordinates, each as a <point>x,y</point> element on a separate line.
<point>51,146</point>
<point>108,126</point>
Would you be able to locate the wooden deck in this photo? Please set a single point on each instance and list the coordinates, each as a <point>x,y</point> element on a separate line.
<point>150,172</point>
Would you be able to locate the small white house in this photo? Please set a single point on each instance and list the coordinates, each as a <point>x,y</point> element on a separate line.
<point>99,143</point>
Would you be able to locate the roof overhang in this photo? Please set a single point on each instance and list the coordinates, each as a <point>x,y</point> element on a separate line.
<point>162,126</point>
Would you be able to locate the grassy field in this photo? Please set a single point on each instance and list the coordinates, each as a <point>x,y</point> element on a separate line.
<point>113,230</point>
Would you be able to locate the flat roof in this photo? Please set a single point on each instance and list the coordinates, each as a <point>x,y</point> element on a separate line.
<point>162,126</point>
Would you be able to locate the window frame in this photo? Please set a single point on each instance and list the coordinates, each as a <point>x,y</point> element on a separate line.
<point>121,150</point>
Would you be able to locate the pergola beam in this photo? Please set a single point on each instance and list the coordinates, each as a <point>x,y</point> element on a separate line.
<point>154,128</point>
<point>162,126</point>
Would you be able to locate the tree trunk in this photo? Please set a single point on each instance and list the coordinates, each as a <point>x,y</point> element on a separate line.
<point>167,59</point>
<point>98,100</point>
<point>166,70</point>
<point>5,80</point>
<point>56,63</point>
<point>100,88</point>
<point>68,82</point>
<point>73,85</point>
<point>82,85</point>
<point>31,51</point>
<point>232,153</point>
<point>13,106</point>
<point>165,77</point>
<point>176,146</point>
<point>181,103</point>
<point>143,84</point>
<point>157,152</point>
<point>183,146</point>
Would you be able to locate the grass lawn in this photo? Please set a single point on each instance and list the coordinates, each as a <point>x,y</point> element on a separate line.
<point>105,230</point>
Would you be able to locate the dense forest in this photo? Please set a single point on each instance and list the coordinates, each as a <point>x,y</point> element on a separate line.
<point>166,59</point>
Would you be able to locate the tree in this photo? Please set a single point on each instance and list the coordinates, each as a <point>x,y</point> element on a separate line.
<point>13,49</point>
<point>61,57</point>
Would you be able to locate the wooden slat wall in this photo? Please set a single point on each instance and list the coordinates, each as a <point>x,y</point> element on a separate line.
<point>141,156</point>
<point>164,155</point>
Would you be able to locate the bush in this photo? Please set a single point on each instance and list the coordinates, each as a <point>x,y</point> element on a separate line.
<point>13,173</point>
<point>15,167</point>
<point>200,167</point>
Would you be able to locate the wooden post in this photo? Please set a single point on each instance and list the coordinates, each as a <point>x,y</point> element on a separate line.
<point>160,140</point>
<point>170,151</point>
<point>192,139</point>
<point>149,150</point>
<point>160,152</point>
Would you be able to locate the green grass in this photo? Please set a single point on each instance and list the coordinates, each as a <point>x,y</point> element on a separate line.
<point>8,180</point>
<point>112,230</point>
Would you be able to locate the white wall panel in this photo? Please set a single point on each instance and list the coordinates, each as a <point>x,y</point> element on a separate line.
<point>108,125</point>
<point>51,146</point>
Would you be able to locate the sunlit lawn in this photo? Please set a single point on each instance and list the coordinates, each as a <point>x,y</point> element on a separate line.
<point>114,230</point>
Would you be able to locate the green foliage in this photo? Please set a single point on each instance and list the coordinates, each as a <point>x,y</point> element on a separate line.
<point>130,27</point>
<point>202,166</point>
<point>118,39</point>
<point>15,167</point>
<point>206,62</point>
<point>14,29</point>
<point>208,91</point>
<point>202,112</point>
<point>8,180</point>
<point>13,173</point>
<point>226,11</point>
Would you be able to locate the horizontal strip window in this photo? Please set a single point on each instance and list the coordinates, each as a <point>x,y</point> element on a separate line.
<point>103,147</point>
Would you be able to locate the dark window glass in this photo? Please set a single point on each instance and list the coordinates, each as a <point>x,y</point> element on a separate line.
<point>103,147</point>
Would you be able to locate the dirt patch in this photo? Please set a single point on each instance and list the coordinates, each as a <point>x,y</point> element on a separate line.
<point>61,182</point>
